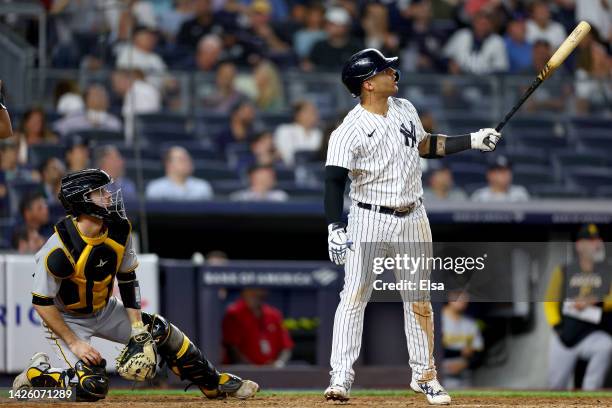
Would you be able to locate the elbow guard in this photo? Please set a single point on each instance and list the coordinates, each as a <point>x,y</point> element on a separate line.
<point>129,290</point>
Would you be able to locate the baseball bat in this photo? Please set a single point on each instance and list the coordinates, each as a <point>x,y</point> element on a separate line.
<point>565,49</point>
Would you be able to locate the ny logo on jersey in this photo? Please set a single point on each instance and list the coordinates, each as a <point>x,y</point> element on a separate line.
<point>409,136</point>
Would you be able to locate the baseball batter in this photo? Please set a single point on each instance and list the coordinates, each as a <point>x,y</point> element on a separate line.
<point>72,293</point>
<point>378,146</point>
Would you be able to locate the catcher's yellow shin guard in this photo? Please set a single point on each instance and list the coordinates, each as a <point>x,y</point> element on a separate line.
<point>182,356</point>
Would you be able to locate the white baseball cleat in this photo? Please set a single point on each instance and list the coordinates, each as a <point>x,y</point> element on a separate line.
<point>337,392</point>
<point>433,390</point>
<point>22,381</point>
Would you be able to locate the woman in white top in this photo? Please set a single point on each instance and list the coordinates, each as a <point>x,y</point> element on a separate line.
<point>301,135</point>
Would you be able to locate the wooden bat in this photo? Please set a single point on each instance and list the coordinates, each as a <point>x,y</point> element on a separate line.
<point>565,49</point>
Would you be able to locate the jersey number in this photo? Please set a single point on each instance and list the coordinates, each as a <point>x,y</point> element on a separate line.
<point>409,136</point>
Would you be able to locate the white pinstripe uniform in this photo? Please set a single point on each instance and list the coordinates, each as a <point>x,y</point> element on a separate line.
<point>381,154</point>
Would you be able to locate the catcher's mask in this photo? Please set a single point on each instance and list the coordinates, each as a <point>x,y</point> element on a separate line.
<point>91,192</point>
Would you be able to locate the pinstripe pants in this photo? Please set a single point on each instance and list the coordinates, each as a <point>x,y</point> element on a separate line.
<point>383,235</point>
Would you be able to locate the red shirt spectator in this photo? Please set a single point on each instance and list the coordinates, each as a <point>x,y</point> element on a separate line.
<point>253,332</point>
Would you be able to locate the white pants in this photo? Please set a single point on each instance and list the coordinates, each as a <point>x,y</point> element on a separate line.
<point>382,235</point>
<point>111,323</point>
<point>596,348</point>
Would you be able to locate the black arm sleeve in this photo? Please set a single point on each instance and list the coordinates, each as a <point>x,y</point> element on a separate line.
<point>335,181</point>
<point>129,289</point>
<point>452,144</point>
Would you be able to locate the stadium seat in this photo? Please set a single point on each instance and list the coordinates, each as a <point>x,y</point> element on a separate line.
<point>589,177</point>
<point>16,190</point>
<point>37,154</point>
<point>163,122</point>
<point>602,142</point>
<point>273,120</point>
<point>305,156</point>
<point>525,155</point>
<point>557,191</point>
<point>214,171</point>
<point>285,174</point>
<point>226,187</point>
<point>464,175</point>
<point>156,137</point>
<point>197,150</point>
<point>536,138</point>
<point>98,136</point>
<point>466,123</point>
<point>151,169</point>
<point>208,125</point>
<point>604,191</point>
<point>532,174</point>
<point>586,157</point>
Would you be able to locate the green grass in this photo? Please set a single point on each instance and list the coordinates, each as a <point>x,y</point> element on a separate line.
<point>391,393</point>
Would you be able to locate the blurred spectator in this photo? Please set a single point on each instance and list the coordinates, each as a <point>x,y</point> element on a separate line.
<point>253,332</point>
<point>67,98</point>
<point>500,187</point>
<point>203,23</point>
<point>313,30</point>
<point>462,341</point>
<point>540,26</point>
<point>138,95</point>
<point>216,258</point>
<point>301,135</point>
<point>109,159</point>
<point>428,121</point>
<point>599,14</point>
<point>518,48</point>
<point>178,184</point>
<point>171,20</point>
<point>375,24</point>
<point>262,180</point>
<point>261,152</point>
<point>577,306</point>
<point>6,127</point>
<point>77,154</point>
<point>241,125</point>
<point>423,41</point>
<point>260,38</point>
<point>441,186</point>
<point>330,54</point>
<point>552,94</point>
<point>95,117</point>
<point>33,130</point>
<point>26,240</point>
<point>34,212</point>
<point>224,95</point>
<point>11,169</point>
<point>140,53</point>
<point>594,83</point>
<point>51,172</point>
<point>208,53</point>
<point>477,50</point>
<point>269,88</point>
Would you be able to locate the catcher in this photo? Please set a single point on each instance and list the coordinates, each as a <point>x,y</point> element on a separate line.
<point>73,285</point>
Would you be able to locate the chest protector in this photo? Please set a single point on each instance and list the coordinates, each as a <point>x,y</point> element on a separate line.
<point>87,266</point>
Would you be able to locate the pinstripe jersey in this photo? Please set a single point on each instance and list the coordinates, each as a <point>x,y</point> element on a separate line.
<point>381,154</point>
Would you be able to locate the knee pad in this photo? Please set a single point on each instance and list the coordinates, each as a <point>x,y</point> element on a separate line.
<point>91,381</point>
<point>182,356</point>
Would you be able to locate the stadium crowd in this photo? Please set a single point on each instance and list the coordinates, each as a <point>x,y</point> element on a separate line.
<point>253,143</point>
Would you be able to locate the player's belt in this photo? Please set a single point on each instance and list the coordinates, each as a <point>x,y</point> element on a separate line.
<point>398,212</point>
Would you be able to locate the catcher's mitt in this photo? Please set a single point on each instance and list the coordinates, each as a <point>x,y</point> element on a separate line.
<point>138,358</point>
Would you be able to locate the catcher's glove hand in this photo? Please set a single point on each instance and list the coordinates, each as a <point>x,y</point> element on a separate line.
<point>138,358</point>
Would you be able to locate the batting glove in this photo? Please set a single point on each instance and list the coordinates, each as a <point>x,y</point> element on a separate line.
<point>337,242</point>
<point>485,139</point>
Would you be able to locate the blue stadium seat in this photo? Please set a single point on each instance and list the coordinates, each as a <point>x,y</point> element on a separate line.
<point>163,122</point>
<point>226,187</point>
<point>532,174</point>
<point>466,123</point>
<point>285,174</point>
<point>197,150</point>
<point>525,155</point>
<point>537,138</point>
<point>464,176</point>
<point>590,177</point>
<point>210,124</point>
<point>16,190</point>
<point>98,136</point>
<point>586,157</point>
<point>151,169</point>
<point>156,137</point>
<point>37,154</point>
<point>214,171</point>
<point>273,120</point>
<point>305,156</point>
<point>557,191</point>
<point>602,142</point>
<point>604,191</point>
<point>146,152</point>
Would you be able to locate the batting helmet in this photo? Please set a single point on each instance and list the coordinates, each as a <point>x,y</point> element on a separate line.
<point>364,65</point>
<point>76,200</point>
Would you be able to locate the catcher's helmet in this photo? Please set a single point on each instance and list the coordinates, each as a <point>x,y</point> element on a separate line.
<point>364,65</point>
<point>74,195</point>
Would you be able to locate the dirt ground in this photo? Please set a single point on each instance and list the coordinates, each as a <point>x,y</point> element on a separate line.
<point>268,401</point>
